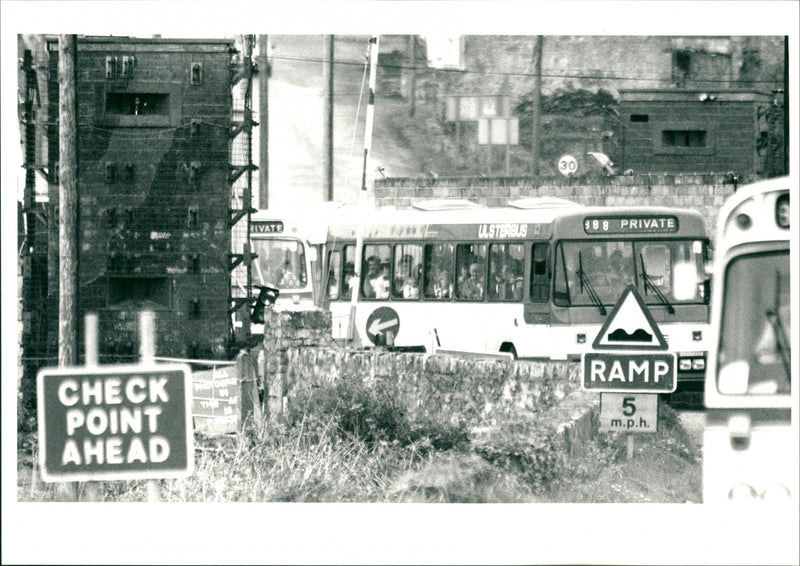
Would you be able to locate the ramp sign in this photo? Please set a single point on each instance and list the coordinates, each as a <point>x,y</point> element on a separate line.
<point>630,326</point>
<point>623,366</point>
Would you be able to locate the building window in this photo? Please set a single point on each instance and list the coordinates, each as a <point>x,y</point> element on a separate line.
<point>683,138</point>
<point>137,104</point>
<point>130,292</point>
<point>640,118</point>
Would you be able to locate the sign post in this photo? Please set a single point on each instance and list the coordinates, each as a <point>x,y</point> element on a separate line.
<point>116,422</point>
<point>630,369</point>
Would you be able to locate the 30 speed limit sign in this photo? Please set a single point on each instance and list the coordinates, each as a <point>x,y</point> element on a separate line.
<point>567,165</point>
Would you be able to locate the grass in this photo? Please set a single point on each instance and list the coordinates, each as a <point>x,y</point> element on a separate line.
<point>349,443</point>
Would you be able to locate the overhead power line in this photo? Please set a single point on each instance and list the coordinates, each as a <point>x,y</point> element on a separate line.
<point>531,75</point>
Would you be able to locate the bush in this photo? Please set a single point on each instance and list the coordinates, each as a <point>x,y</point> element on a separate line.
<point>455,477</point>
<point>525,449</point>
<point>372,415</point>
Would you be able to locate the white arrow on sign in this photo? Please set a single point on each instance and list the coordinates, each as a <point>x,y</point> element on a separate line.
<point>379,326</point>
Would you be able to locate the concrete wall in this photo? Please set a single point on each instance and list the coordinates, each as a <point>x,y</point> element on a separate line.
<point>704,193</point>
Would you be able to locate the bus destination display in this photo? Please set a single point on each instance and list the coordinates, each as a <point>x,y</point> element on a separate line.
<point>649,224</point>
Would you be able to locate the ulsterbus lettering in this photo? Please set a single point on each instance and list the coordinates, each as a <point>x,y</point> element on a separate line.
<point>502,231</point>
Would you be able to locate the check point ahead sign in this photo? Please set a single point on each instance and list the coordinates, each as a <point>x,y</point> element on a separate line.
<point>116,422</point>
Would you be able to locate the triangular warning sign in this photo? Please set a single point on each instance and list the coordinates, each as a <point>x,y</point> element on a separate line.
<point>630,326</point>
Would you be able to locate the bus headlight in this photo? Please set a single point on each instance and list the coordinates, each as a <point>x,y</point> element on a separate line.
<point>776,492</point>
<point>743,492</point>
<point>691,363</point>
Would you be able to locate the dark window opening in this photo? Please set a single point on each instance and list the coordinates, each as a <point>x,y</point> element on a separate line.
<point>683,60</point>
<point>540,273</point>
<point>137,103</point>
<point>683,138</point>
<point>640,118</point>
<point>138,291</point>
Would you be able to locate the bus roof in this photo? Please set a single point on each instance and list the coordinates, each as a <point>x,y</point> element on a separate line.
<point>570,216</point>
<point>756,193</point>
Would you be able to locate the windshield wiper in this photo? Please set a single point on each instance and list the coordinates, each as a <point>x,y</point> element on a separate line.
<point>781,341</point>
<point>584,280</point>
<point>648,284</point>
<point>776,322</point>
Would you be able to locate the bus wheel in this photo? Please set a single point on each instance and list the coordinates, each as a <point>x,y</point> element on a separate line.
<point>509,348</point>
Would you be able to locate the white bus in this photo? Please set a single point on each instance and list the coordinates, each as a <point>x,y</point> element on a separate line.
<point>534,279</point>
<point>749,452</point>
<point>286,245</point>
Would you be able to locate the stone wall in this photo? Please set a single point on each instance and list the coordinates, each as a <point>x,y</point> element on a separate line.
<point>298,355</point>
<point>702,192</point>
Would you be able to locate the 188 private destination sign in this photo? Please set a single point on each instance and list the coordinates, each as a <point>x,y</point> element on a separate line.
<point>645,224</point>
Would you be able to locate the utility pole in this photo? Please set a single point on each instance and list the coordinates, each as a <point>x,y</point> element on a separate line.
<point>328,135</point>
<point>411,49</point>
<point>264,72</point>
<point>67,201</point>
<point>537,104</point>
<point>786,105</point>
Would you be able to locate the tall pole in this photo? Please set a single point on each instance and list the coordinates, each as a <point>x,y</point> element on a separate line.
<point>373,70</point>
<point>786,105</point>
<point>263,121</point>
<point>248,44</point>
<point>537,104</point>
<point>67,201</point>
<point>354,290</point>
<point>328,142</point>
<point>412,95</point>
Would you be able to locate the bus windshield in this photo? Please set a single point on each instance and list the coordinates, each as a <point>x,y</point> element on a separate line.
<point>281,263</point>
<point>595,273</point>
<point>754,347</point>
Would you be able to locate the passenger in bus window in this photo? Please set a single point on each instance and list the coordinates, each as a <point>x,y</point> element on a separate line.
<point>404,283</point>
<point>619,270</point>
<point>349,278</point>
<point>512,281</point>
<point>472,288</point>
<point>463,275</point>
<point>373,272</point>
<point>443,288</point>
<point>381,283</point>
<point>288,278</point>
<point>333,286</point>
<point>410,289</point>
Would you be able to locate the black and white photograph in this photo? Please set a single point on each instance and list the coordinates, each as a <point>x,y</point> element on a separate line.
<point>400,282</point>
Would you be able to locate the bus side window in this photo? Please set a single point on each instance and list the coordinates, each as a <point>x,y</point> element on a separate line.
<point>376,278</point>
<point>334,274</point>
<point>540,276</point>
<point>407,271</point>
<point>471,261</point>
<point>438,271</point>
<point>505,272</point>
